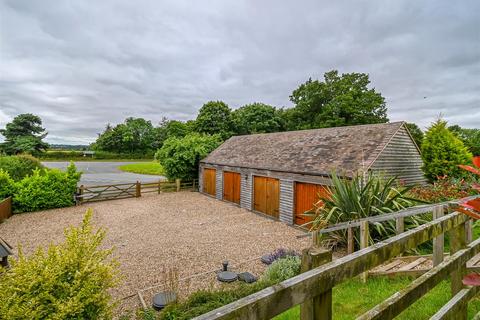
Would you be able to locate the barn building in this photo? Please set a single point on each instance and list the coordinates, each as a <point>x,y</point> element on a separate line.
<point>281,174</point>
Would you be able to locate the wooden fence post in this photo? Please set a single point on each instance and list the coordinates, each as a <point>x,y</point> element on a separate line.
<point>458,242</point>
<point>177,181</point>
<point>319,307</point>
<point>138,190</point>
<point>469,230</point>
<point>80,195</point>
<point>350,241</point>
<point>159,186</point>
<point>364,239</point>
<point>400,225</point>
<point>193,184</point>
<point>439,241</point>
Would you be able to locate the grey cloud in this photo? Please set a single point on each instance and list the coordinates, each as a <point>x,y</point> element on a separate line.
<point>82,64</point>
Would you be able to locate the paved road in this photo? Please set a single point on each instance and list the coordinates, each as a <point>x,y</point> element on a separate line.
<point>100,173</point>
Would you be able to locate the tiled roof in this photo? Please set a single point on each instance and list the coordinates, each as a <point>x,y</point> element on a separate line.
<point>316,152</point>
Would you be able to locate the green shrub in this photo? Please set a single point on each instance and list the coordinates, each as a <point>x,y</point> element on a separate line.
<point>442,152</point>
<point>360,197</point>
<point>7,185</point>
<point>282,269</point>
<point>204,301</point>
<point>180,156</point>
<point>46,189</point>
<point>19,166</point>
<point>68,281</point>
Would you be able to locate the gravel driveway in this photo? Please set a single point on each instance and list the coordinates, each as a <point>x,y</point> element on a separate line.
<point>100,173</point>
<point>186,230</point>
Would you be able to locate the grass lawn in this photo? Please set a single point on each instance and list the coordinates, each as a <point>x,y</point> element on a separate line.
<point>151,167</point>
<point>352,298</point>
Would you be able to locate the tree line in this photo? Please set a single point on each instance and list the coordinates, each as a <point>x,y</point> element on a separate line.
<point>336,100</point>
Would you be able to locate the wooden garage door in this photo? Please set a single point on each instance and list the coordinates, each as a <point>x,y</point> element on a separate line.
<point>266,197</point>
<point>306,195</point>
<point>209,185</point>
<point>231,186</point>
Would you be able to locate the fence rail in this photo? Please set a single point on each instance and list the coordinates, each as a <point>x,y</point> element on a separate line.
<point>312,289</point>
<point>130,190</point>
<point>5,209</point>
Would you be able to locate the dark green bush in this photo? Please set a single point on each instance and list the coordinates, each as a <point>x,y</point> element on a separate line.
<point>7,185</point>
<point>70,280</point>
<point>46,189</point>
<point>180,156</point>
<point>19,166</point>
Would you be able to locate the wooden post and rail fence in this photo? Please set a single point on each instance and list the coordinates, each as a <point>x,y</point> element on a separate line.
<point>130,190</point>
<point>312,289</point>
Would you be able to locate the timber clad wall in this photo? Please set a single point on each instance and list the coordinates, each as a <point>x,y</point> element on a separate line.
<point>219,184</point>
<point>286,201</point>
<point>246,191</point>
<point>282,161</point>
<point>400,158</point>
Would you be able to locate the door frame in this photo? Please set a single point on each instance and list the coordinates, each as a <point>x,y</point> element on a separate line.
<point>215,180</point>
<point>253,175</point>
<point>239,190</point>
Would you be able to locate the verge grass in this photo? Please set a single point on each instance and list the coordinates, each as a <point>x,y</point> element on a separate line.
<point>153,168</point>
<point>352,298</point>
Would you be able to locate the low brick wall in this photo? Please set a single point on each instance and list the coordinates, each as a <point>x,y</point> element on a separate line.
<point>5,209</point>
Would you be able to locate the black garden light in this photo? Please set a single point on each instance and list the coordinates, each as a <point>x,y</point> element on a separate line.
<point>225,275</point>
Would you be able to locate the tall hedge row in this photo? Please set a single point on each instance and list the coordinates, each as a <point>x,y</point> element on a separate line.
<point>44,189</point>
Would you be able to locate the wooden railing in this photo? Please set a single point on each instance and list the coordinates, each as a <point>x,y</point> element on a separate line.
<point>5,209</point>
<point>130,190</point>
<point>312,288</point>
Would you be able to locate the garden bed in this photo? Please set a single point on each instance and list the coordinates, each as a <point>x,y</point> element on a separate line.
<point>185,231</point>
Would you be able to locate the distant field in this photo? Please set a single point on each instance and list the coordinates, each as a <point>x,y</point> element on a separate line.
<point>153,168</point>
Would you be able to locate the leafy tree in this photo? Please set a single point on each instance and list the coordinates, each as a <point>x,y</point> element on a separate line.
<point>416,132</point>
<point>24,135</point>
<point>257,118</point>
<point>70,280</point>
<point>170,128</point>
<point>180,156</point>
<point>470,137</point>
<point>442,152</point>
<point>339,100</point>
<point>215,117</point>
<point>135,135</point>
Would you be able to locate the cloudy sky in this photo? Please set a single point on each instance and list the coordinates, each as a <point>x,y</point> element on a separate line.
<point>81,64</point>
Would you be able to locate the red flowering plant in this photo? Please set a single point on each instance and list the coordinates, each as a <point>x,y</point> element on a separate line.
<point>471,207</point>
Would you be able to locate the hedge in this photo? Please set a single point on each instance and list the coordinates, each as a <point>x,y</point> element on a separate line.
<point>44,189</point>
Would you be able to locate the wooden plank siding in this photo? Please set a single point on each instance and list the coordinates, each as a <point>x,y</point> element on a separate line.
<point>231,186</point>
<point>400,158</point>
<point>246,191</point>
<point>286,201</point>
<point>219,184</point>
<point>266,198</point>
<point>209,183</point>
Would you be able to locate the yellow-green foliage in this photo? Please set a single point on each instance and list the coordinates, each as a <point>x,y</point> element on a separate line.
<point>7,185</point>
<point>68,281</point>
